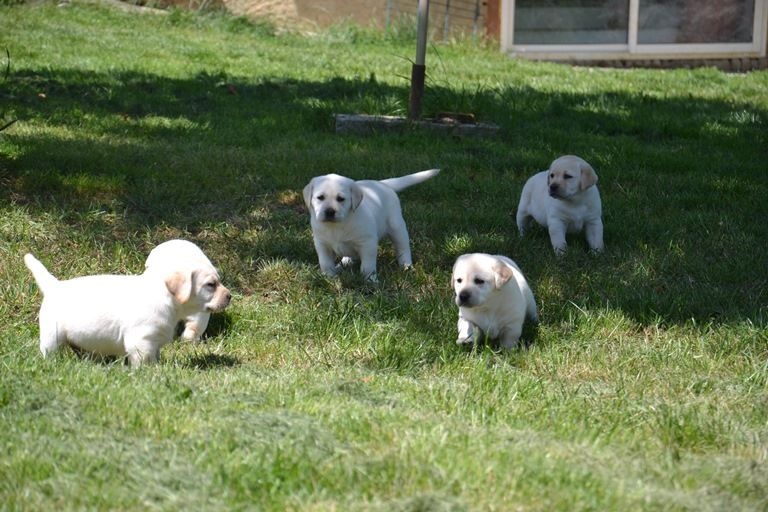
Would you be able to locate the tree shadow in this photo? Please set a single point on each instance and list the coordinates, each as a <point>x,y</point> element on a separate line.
<point>183,157</point>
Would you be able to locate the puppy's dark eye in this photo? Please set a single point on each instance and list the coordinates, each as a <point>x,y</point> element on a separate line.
<point>479,281</point>
<point>551,176</point>
<point>459,280</point>
<point>567,176</point>
<point>340,199</point>
<point>211,286</point>
<point>321,197</point>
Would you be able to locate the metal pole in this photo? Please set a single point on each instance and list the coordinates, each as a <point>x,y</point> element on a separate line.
<point>418,70</point>
<point>447,20</point>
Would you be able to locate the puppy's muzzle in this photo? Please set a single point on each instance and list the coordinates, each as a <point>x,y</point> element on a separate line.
<point>464,298</point>
<point>554,191</point>
<point>220,304</point>
<point>329,214</point>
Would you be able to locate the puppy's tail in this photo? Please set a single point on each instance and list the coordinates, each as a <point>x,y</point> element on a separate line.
<point>404,182</point>
<point>45,280</point>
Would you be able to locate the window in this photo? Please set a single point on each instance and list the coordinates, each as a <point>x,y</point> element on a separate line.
<point>571,22</point>
<point>634,28</point>
<point>688,21</point>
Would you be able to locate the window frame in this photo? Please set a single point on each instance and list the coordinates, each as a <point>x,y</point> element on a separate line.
<point>633,49</point>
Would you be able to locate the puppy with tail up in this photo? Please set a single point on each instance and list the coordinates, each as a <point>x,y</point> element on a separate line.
<point>121,315</point>
<point>348,219</point>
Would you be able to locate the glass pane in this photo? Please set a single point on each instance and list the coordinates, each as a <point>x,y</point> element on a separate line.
<point>571,21</point>
<point>695,21</point>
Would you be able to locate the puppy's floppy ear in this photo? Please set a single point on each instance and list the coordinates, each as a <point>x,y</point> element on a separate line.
<point>588,175</point>
<point>180,285</point>
<point>502,273</point>
<point>357,195</point>
<point>308,195</point>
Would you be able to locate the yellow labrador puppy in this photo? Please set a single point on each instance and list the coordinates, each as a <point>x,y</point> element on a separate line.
<point>178,255</point>
<point>348,219</point>
<point>116,315</point>
<point>494,299</point>
<point>564,199</point>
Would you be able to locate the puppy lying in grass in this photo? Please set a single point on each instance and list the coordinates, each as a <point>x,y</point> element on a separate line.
<point>177,255</point>
<point>494,299</point>
<point>114,315</point>
<point>564,199</point>
<point>348,219</point>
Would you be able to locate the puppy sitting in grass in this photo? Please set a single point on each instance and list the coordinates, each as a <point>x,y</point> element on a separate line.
<point>494,299</point>
<point>114,315</point>
<point>348,219</point>
<point>564,199</point>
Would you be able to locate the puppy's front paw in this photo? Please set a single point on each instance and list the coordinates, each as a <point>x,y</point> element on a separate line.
<point>467,332</point>
<point>190,334</point>
<point>466,337</point>
<point>560,251</point>
<point>465,340</point>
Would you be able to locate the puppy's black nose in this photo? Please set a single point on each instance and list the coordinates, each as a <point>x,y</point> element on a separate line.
<point>553,187</point>
<point>329,213</point>
<point>464,296</point>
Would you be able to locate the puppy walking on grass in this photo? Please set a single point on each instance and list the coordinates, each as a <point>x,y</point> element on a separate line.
<point>564,199</point>
<point>494,299</point>
<point>348,219</point>
<point>121,315</point>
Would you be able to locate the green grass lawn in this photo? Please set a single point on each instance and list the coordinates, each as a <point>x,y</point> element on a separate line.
<point>645,388</point>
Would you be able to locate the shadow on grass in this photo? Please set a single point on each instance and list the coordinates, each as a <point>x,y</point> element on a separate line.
<point>210,361</point>
<point>223,161</point>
